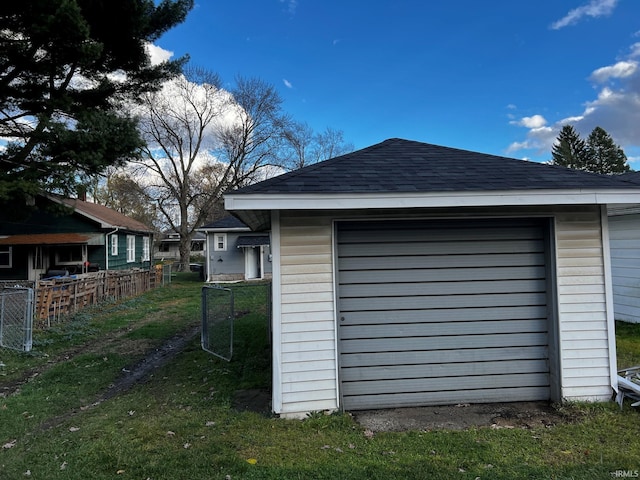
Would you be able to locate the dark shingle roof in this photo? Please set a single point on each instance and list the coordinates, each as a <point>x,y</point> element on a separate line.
<point>398,165</point>
<point>252,240</point>
<point>227,222</point>
<point>633,177</point>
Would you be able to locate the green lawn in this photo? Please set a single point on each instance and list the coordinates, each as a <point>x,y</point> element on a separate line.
<point>180,423</point>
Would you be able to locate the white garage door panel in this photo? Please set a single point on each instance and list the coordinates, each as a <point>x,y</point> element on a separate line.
<point>442,312</point>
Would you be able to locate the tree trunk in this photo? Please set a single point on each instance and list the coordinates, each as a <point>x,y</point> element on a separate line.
<point>185,253</point>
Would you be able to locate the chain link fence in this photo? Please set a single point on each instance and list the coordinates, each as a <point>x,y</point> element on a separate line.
<point>222,306</point>
<point>16,318</point>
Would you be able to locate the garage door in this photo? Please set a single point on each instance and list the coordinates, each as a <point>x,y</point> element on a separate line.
<point>442,312</point>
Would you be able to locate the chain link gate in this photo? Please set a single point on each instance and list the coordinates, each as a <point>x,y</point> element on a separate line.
<point>217,321</point>
<point>16,318</point>
<point>222,306</point>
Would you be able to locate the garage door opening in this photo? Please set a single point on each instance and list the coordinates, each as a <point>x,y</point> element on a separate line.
<point>443,312</point>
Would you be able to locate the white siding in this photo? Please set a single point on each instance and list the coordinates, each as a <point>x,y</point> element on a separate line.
<point>307,335</point>
<point>582,306</point>
<point>624,234</point>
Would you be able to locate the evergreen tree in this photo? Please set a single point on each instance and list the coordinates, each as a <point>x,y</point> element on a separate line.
<point>599,154</point>
<point>603,155</point>
<point>66,67</point>
<point>569,149</point>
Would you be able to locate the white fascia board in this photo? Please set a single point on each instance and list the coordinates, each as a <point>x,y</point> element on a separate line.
<point>305,201</point>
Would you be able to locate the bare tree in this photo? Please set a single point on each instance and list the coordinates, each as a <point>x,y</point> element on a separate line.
<point>298,143</point>
<point>302,146</point>
<point>331,143</point>
<point>201,141</point>
<point>177,124</point>
<point>252,143</point>
<point>119,191</point>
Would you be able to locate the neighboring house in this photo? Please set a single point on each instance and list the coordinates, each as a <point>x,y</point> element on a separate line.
<point>168,247</point>
<point>83,237</point>
<point>235,252</point>
<point>624,228</point>
<point>409,274</point>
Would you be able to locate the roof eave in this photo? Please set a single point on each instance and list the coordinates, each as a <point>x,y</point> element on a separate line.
<point>225,230</point>
<point>341,201</point>
<point>102,223</point>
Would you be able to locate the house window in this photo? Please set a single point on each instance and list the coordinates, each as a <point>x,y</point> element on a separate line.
<point>220,242</point>
<point>164,247</point>
<point>114,244</point>
<point>5,257</point>
<point>145,249</point>
<point>69,254</point>
<point>131,248</point>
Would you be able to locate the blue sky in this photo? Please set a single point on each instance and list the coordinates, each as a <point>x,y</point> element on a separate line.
<point>495,76</point>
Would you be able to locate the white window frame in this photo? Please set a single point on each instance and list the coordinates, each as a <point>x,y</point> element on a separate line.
<point>9,252</point>
<point>145,249</point>
<point>131,248</point>
<point>114,245</point>
<point>220,242</point>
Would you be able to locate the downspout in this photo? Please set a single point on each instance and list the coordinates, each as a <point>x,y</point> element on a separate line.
<point>107,249</point>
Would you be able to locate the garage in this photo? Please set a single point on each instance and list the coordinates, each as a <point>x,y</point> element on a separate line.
<point>442,311</point>
<point>408,274</point>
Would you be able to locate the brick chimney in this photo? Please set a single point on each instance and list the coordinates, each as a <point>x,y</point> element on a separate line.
<point>82,193</point>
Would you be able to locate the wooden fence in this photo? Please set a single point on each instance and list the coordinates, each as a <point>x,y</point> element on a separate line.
<point>62,296</point>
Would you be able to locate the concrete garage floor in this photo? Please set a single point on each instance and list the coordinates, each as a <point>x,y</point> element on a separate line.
<point>461,417</point>
<point>448,417</point>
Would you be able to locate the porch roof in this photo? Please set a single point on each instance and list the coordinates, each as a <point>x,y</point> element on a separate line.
<point>46,239</point>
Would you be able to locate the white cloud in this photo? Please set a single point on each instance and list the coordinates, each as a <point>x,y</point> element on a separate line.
<point>616,108</point>
<point>536,121</point>
<point>619,70</point>
<point>158,54</point>
<point>291,5</point>
<point>595,8</point>
<point>571,120</point>
<point>517,146</point>
<point>287,83</point>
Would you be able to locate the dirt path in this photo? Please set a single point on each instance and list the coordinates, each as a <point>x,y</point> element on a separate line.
<point>152,362</point>
<point>154,359</point>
